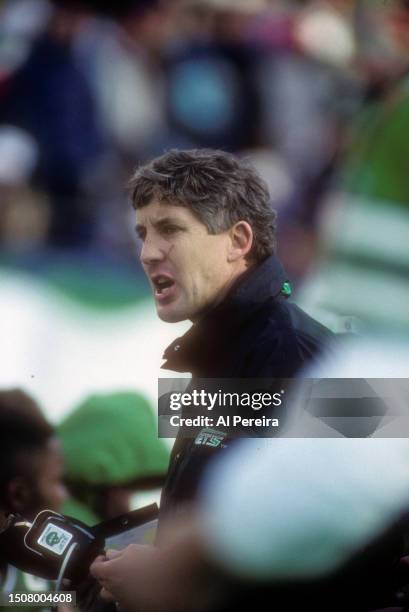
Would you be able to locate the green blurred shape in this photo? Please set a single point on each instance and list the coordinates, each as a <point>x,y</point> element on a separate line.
<point>111,439</point>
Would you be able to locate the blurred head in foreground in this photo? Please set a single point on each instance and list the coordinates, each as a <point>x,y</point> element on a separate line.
<point>31,466</point>
<point>111,451</point>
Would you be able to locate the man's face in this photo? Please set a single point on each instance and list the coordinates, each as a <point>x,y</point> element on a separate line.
<point>188,268</point>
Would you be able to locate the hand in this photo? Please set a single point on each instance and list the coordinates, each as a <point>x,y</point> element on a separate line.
<point>120,573</point>
<point>173,578</point>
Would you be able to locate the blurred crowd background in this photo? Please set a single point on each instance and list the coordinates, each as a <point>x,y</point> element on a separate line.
<point>312,92</point>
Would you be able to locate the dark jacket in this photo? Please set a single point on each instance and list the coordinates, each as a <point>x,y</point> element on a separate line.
<point>254,333</point>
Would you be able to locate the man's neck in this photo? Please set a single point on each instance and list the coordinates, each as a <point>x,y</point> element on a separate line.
<point>226,290</point>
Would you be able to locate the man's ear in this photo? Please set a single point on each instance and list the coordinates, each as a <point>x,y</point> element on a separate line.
<point>18,494</point>
<point>241,237</point>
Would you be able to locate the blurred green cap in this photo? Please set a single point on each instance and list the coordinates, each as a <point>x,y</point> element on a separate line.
<point>111,439</point>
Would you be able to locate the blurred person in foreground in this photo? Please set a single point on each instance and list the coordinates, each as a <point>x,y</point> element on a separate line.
<point>288,524</point>
<point>315,523</point>
<point>111,451</point>
<point>31,477</point>
<point>323,541</point>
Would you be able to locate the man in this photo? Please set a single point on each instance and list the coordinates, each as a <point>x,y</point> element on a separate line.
<point>208,249</point>
<point>31,477</point>
<point>208,234</point>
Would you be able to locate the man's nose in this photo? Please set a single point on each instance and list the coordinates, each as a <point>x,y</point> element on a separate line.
<point>151,251</point>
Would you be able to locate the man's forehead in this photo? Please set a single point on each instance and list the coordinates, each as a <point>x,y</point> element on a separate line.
<point>158,212</point>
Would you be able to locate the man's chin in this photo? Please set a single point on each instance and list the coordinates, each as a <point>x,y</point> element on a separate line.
<point>168,315</point>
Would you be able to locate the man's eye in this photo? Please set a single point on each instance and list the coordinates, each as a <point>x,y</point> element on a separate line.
<point>169,230</point>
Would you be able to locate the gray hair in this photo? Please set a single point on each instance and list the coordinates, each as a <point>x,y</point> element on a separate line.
<point>216,186</point>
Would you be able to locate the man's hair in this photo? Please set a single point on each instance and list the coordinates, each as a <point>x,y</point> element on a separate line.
<point>23,431</point>
<point>216,186</point>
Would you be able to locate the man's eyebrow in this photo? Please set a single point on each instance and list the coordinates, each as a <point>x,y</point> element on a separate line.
<point>140,228</point>
<point>159,222</point>
<point>165,220</point>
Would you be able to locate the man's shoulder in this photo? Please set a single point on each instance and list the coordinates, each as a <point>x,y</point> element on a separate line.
<point>285,317</point>
<point>307,329</point>
<point>283,339</point>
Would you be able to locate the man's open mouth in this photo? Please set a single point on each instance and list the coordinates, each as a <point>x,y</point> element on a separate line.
<point>163,285</point>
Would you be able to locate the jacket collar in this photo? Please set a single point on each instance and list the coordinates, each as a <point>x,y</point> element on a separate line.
<point>210,336</point>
